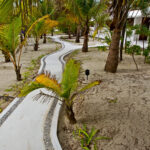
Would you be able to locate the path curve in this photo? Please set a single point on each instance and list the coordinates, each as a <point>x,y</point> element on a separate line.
<point>32,122</point>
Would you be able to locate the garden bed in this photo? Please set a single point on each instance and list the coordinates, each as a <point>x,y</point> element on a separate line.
<point>118,107</point>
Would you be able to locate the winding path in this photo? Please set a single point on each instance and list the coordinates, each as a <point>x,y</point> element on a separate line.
<point>32,125</point>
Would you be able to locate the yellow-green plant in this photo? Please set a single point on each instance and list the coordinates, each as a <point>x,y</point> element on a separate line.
<point>88,138</point>
<point>10,43</point>
<point>67,90</point>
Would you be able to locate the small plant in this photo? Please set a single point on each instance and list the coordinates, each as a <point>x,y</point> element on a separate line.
<point>146,53</point>
<point>67,90</point>
<point>112,100</point>
<point>88,138</point>
<point>102,48</point>
<point>135,49</point>
<point>127,46</point>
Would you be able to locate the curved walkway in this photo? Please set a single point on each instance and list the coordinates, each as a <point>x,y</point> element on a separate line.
<point>28,126</point>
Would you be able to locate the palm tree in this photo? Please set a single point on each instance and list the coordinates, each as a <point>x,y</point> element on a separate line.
<point>86,9</point>
<point>37,31</point>
<point>119,10</point>
<point>67,90</point>
<point>11,42</point>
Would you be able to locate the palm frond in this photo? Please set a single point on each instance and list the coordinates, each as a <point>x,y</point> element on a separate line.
<point>90,85</point>
<point>6,9</point>
<point>48,82</point>
<point>29,88</point>
<point>70,76</point>
<point>11,34</point>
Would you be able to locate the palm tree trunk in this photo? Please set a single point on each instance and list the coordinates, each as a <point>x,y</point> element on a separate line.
<point>69,33</point>
<point>36,45</point>
<point>86,36</point>
<point>70,114</point>
<point>78,34</point>
<point>44,41</point>
<point>7,59</point>
<point>52,32</point>
<point>122,42</point>
<point>18,74</point>
<point>112,60</point>
<point>21,38</point>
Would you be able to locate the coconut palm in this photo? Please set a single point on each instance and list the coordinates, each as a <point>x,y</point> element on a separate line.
<point>37,31</point>
<point>67,90</point>
<point>86,10</point>
<point>119,10</point>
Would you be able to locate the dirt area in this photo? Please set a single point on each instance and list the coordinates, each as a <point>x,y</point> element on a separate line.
<point>118,107</point>
<point>7,73</point>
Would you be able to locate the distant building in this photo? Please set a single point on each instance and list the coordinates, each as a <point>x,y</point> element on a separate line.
<point>136,17</point>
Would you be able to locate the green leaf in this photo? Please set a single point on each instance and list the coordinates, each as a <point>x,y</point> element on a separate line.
<point>85,148</point>
<point>91,135</point>
<point>103,138</point>
<point>70,78</point>
<point>90,85</point>
<point>29,88</point>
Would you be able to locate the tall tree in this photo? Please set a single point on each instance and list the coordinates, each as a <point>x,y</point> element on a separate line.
<point>87,9</point>
<point>119,10</point>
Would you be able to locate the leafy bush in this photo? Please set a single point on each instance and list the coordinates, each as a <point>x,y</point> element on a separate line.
<point>134,49</point>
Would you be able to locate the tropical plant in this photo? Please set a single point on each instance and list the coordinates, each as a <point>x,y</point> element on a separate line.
<point>11,42</point>
<point>85,10</point>
<point>134,49</point>
<point>67,90</point>
<point>37,31</point>
<point>48,26</point>
<point>67,22</point>
<point>88,138</point>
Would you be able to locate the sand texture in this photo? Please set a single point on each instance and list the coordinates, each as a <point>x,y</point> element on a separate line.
<point>119,107</point>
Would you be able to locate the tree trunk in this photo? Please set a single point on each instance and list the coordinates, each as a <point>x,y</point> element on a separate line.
<point>112,60</point>
<point>86,36</point>
<point>36,45</point>
<point>122,42</point>
<point>70,114</point>
<point>7,59</point>
<point>18,74</point>
<point>143,46</point>
<point>44,41</point>
<point>52,32</point>
<point>69,33</point>
<point>21,38</point>
<point>135,62</point>
<point>78,35</point>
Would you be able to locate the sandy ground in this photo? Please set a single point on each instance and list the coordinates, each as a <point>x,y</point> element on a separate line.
<point>92,41</point>
<point>7,73</point>
<point>118,107</point>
